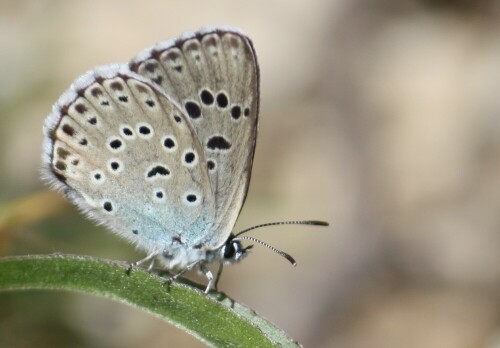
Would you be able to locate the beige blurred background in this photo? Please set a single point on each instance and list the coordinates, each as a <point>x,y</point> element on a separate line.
<point>382,117</point>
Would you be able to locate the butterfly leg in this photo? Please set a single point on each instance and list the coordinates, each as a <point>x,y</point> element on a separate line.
<point>150,257</point>
<point>152,265</point>
<point>209,276</point>
<point>217,277</point>
<point>178,274</point>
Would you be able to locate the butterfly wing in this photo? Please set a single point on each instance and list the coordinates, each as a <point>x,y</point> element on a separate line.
<point>214,77</point>
<point>128,156</point>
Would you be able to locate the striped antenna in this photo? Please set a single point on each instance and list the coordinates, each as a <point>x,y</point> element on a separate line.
<point>277,251</point>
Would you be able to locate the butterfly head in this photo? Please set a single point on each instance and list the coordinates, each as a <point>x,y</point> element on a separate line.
<point>233,251</point>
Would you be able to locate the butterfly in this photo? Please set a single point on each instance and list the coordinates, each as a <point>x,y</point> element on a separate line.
<point>160,150</point>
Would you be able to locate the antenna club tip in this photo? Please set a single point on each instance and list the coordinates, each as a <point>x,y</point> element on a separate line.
<point>319,223</point>
<point>290,259</point>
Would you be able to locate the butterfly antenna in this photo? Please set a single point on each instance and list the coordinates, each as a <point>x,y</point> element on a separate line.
<point>277,251</point>
<point>305,222</point>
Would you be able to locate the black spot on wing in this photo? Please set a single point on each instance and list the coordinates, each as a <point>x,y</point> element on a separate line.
<point>158,170</point>
<point>115,144</point>
<point>81,108</point>
<point>206,97</point>
<point>68,130</point>
<point>108,206</point>
<point>218,142</point>
<point>222,100</point>
<point>193,109</point>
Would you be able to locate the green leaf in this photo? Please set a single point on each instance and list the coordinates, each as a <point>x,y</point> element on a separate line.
<point>214,319</point>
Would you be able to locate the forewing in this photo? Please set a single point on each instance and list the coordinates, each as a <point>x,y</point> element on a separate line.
<point>214,77</point>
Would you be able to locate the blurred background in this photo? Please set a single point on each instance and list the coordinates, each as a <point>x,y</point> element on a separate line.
<point>381,117</point>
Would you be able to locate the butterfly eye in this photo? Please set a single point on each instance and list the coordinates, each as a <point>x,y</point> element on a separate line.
<point>229,250</point>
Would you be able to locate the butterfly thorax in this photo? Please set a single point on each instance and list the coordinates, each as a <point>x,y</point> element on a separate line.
<point>181,256</point>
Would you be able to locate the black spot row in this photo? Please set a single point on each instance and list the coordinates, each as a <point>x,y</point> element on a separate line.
<point>208,99</point>
<point>191,198</point>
